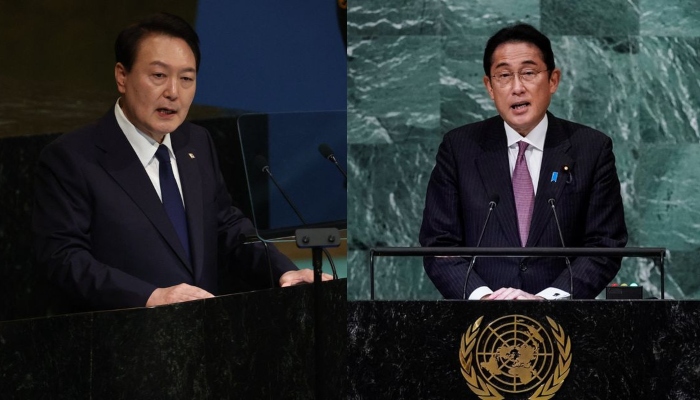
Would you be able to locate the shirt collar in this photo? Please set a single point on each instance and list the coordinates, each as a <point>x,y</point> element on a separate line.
<point>535,138</point>
<point>144,145</point>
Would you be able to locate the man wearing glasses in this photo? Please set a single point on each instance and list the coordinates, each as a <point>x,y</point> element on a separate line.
<point>523,164</point>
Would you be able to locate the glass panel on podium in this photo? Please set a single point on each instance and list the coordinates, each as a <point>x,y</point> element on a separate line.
<point>398,273</point>
<point>287,144</point>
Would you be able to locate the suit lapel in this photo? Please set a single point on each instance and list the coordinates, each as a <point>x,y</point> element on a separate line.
<point>192,191</point>
<point>494,169</point>
<point>120,161</point>
<point>555,156</point>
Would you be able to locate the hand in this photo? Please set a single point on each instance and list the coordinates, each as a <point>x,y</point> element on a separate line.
<point>511,294</point>
<point>291,278</point>
<point>176,294</point>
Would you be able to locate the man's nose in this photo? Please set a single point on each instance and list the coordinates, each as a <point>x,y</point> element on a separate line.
<point>517,84</point>
<point>171,89</point>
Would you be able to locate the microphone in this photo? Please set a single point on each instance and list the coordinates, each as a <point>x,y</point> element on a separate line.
<point>262,164</point>
<point>561,237</point>
<point>492,204</point>
<point>327,153</point>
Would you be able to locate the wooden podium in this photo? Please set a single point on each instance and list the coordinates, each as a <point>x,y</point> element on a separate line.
<point>256,345</point>
<point>646,349</point>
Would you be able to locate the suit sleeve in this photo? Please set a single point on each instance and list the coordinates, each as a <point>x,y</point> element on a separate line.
<point>604,227</point>
<point>442,226</point>
<point>233,225</point>
<point>61,223</point>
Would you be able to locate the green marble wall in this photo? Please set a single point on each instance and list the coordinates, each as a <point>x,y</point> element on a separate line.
<point>630,68</point>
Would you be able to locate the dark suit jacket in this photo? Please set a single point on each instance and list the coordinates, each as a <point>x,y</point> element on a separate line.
<point>472,166</point>
<point>103,234</point>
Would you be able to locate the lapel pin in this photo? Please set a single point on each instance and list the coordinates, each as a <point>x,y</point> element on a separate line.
<point>569,175</point>
<point>555,175</point>
<point>191,155</point>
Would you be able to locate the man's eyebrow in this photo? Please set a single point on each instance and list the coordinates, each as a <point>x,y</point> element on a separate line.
<point>529,62</point>
<point>160,64</point>
<point>505,64</point>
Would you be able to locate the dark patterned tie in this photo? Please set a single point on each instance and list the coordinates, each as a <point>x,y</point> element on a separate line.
<point>524,193</point>
<point>172,202</point>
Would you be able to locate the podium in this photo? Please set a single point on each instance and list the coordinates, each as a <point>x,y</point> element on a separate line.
<point>249,346</point>
<point>646,349</point>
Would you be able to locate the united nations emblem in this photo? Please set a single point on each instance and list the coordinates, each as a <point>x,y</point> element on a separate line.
<point>515,354</point>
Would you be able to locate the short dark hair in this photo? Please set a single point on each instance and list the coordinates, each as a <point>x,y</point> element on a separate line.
<point>128,40</point>
<point>520,33</point>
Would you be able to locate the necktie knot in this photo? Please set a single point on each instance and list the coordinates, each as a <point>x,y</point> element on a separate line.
<point>522,146</point>
<point>162,154</point>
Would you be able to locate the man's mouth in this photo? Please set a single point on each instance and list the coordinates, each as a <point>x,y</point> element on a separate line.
<point>166,111</point>
<point>520,106</point>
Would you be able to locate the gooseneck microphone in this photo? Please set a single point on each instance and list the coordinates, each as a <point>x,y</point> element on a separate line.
<point>561,237</point>
<point>261,164</point>
<point>492,204</point>
<point>327,153</point>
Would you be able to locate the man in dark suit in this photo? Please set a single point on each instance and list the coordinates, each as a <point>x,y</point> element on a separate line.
<point>131,210</point>
<point>521,160</point>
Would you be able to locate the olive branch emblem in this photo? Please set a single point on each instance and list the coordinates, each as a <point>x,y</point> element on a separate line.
<point>486,391</point>
<point>553,384</point>
<point>474,381</point>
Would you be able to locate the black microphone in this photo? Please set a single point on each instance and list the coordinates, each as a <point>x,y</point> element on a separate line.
<point>261,164</point>
<point>492,204</point>
<point>327,153</point>
<point>561,237</point>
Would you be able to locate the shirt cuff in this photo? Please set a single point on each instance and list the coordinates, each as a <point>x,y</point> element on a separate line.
<point>554,294</point>
<point>480,292</point>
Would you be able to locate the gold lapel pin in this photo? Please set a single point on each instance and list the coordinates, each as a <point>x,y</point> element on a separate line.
<point>191,155</point>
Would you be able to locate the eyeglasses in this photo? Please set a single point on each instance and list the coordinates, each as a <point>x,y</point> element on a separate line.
<point>506,78</point>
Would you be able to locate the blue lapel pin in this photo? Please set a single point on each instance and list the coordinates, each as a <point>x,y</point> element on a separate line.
<point>555,175</point>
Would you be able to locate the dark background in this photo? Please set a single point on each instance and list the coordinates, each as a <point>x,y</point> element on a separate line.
<point>57,74</point>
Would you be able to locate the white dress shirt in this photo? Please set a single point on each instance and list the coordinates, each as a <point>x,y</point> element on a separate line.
<point>145,148</point>
<point>533,156</point>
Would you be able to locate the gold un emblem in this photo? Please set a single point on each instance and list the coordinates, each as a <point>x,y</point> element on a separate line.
<point>515,354</point>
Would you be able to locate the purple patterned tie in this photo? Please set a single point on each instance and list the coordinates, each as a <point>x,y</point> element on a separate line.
<point>524,193</point>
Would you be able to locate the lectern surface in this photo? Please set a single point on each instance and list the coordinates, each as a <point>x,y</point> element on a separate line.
<point>250,346</point>
<point>452,349</point>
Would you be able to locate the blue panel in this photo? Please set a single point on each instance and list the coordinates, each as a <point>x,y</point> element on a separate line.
<point>271,56</point>
<point>313,183</point>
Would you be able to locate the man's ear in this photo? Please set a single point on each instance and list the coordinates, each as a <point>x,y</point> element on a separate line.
<point>120,76</point>
<point>487,83</point>
<point>554,78</point>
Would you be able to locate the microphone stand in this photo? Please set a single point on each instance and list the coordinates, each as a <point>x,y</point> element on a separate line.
<point>492,205</point>
<point>266,170</point>
<point>334,161</point>
<point>318,239</point>
<point>561,237</point>
<point>327,153</point>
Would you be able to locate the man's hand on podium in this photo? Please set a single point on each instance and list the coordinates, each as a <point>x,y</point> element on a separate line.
<point>176,294</point>
<point>511,294</point>
<point>185,292</point>
<point>291,278</point>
